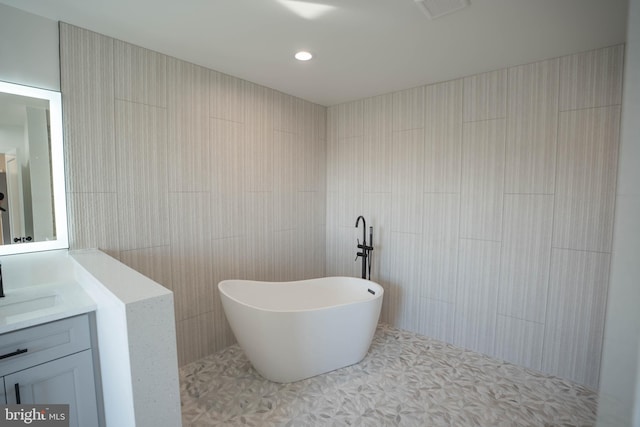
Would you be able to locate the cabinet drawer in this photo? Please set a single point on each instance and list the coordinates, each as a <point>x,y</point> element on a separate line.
<point>43,343</point>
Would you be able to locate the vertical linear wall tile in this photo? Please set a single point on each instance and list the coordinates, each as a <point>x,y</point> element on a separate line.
<point>229,175</point>
<point>320,121</point>
<point>285,214</point>
<point>191,276</point>
<point>575,315</point>
<point>436,319</point>
<point>179,176</point>
<point>333,159</point>
<point>227,253</point>
<point>591,79</point>
<point>200,336</point>
<point>345,247</point>
<point>190,217</point>
<point>286,113</point>
<point>140,75</point>
<point>331,249</point>
<point>481,168</point>
<point>349,206</point>
<point>141,148</point>
<point>259,204</point>
<point>384,310</point>
<point>519,341</point>
<point>143,219</point>
<point>155,263</point>
<point>524,265</point>
<point>408,109</point>
<point>259,248</point>
<point>228,215</point>
<point>313,263</point>
<point>188,126</point>
<point>586,182</point>
<point>91,75</point>
<point>88,104</point>
<point>286,255</point>
<point>443,137</point>
<point>532,128</point>
<point>306,117</point>
<point>441,215</point>
<point>485,96</point>
<point>350,119</point>
<point>350,164</point>
<point>408,152</point>
<point>189,344</point>
<point>406,212</point>
<point>407,157</point>
<point>228,156</point>
<point>296,260</point>
<point>259,134</point>
<point>227,97</point>
<point>377,212</point>
<point>309,209</point>
<point>93,220</point>
<point>378,138</point>
<point>287,154</point>
<point>405,274</point>
<point>141,175</point>
<point>313,163</point>
<point>482,180</point>
<point>476,295</point>
<point>332,209</point>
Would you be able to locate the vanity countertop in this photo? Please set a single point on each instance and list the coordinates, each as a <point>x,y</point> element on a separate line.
<point>34,305</point>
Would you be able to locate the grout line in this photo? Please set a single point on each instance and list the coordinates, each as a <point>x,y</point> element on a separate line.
<point>553,223</point>
<point>502,216</point>
<point>456,321</point>
<point>581,250</point>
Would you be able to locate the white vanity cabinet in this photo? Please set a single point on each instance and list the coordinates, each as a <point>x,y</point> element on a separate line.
<point>56,368</point>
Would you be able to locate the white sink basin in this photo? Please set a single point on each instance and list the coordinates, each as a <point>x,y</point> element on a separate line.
<point>27,306</point>
<point>23,304</point>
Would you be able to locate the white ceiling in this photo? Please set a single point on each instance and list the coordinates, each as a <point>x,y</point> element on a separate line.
<point>361,47</point>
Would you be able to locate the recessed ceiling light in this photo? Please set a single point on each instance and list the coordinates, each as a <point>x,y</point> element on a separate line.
<point>303,56</point>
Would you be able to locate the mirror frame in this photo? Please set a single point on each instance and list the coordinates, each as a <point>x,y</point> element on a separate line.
<point>57,171</point>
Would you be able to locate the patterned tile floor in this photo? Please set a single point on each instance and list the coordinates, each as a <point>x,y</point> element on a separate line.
<point>405,380</point>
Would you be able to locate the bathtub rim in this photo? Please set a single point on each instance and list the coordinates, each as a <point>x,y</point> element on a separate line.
<point>379,294</point>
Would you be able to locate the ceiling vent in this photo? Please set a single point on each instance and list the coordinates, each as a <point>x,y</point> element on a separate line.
<point>436,8</point>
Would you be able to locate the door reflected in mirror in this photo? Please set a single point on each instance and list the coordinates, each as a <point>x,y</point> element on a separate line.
<point>32,200</point>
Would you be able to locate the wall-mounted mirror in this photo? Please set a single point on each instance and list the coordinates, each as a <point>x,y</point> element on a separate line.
<point>33,213</point>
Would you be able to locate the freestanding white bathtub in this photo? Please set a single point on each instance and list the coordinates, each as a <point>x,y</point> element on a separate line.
<point>295,330</point>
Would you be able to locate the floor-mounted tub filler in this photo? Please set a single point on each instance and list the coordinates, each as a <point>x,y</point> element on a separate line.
<point>295,330</point>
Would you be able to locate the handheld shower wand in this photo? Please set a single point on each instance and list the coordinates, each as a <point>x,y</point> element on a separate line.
<point>371,250</point>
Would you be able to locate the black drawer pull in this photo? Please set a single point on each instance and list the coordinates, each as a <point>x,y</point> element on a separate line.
<point>15,353</point>
<point>17,387</point>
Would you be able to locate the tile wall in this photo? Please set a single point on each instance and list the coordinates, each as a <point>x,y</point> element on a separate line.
<point>190,176</point>
<point>491,199</point>
<point>491,196</point>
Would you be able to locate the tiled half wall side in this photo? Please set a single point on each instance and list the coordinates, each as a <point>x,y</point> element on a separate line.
<point>190,176</point>
<point>491,198</point>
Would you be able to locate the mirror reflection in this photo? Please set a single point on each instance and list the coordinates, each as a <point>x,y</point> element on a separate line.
<point>30,132</point>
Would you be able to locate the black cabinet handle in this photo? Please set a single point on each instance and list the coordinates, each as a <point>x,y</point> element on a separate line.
<point>15,353</point>
<point>17,387</point>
